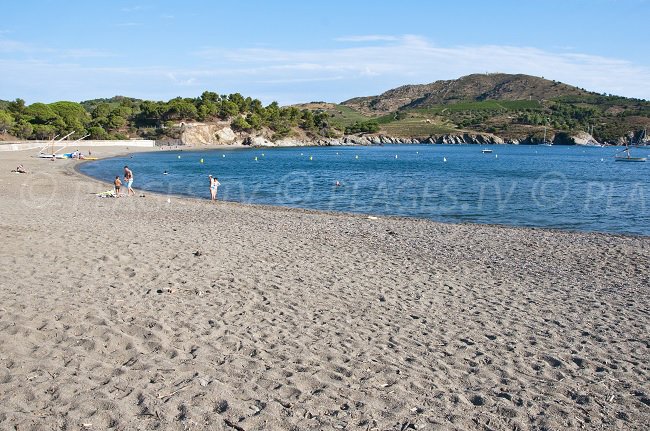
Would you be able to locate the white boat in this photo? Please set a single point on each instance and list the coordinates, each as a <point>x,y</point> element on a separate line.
<point>544,142</point>
<point>486,150</point>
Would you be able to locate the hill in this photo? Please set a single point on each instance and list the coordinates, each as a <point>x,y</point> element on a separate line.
<point>514,107</point>
<point>477,87</point>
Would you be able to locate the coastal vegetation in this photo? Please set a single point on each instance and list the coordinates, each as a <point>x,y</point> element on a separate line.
<point>513,107</point>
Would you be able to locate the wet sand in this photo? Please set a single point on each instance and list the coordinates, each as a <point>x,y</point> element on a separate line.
<point>160,312</point>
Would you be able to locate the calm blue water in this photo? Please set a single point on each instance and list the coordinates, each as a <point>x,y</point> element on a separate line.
<point>557,187</point>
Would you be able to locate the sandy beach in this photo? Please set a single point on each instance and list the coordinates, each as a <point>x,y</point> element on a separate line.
<point>157,312</point>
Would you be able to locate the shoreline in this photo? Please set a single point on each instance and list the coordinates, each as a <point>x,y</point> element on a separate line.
<point>139,313</point>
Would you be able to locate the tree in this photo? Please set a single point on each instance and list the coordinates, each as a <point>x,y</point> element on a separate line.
<point>97,132</point>
<point>116,122</point>
<point>308,122</point>
<point>209,97</point>
<point>151,113</point>
<point>40,113</point>
<point>254,120</point>
<point>74,117</point>
<point>180,109</point>
<point>240,124</point>
<point>22,129</point>
<point>17,106</point>
<point>101,110</point>
<point>228,109</point>
<point>43,131</point>
<point>6,121</point>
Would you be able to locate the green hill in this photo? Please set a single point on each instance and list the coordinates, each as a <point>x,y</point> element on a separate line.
<point>510,106</point>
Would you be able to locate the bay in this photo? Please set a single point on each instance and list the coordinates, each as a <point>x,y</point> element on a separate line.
<point>562,187</point>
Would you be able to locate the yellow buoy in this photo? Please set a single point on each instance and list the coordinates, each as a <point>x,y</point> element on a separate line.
<point>201,160</point>
<point>311,158</point>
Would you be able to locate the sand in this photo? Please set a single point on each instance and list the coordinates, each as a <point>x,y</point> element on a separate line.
<point>139,313</point>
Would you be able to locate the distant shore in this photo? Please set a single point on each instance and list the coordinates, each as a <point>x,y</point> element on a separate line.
<point>174,313</point>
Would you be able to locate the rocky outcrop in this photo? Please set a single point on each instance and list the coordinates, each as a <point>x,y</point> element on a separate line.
<point>466,138</point>
<point>207,134</point>
<point>257,141</point>
<point>197,134</point>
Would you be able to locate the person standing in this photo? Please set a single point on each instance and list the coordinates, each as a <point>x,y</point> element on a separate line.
<point>214,185</point>
<point>128,179</point>
<point>117,183</point>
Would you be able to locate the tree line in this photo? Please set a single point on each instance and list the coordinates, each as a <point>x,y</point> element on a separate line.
<point>122,117</point>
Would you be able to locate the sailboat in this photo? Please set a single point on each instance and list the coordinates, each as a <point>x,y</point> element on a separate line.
<point>544,143</point>
<point>52,153</point>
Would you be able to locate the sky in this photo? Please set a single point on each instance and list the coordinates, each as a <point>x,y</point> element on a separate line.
<point>309,50</point>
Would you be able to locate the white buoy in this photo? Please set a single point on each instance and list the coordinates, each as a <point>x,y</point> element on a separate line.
<point>223,155</point>
<point>179,157</point>
<point>201,160</point>
<point>356,157</point>
<point>496,156</point>
<point>444,159</point>
<point>395,155</point>
<point>255,158</point>
<point>311,158</point>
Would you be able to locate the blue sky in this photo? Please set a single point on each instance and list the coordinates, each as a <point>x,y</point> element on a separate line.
<point>301,51</point>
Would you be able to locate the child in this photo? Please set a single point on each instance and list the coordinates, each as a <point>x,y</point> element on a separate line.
<point>118,184</point>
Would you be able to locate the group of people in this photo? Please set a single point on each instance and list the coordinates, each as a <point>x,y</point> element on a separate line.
<point>128,181</point>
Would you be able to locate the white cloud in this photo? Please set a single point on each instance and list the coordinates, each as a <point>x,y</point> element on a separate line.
<point>136,8</point>
<point>366,38</point>
<point>293,76</point>
<point>413,59</point>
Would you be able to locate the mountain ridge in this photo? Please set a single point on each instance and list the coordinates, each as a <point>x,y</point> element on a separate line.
<point>474,87</point>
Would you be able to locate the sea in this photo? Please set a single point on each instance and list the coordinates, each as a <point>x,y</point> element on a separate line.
<point>559,187</point>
